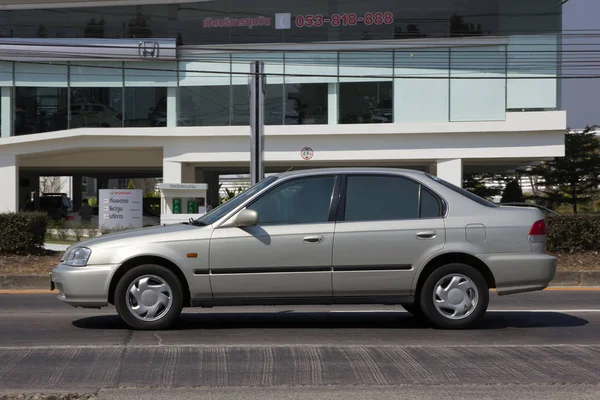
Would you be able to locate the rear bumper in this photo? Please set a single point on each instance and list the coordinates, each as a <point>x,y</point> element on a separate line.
<point>518,273</point>
<point>83,286</point>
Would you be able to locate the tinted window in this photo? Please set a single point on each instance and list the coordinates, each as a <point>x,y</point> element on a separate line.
<point>430,206</point>
<point>463,192</point>
<point>377,198</point>
<point>301,201</point>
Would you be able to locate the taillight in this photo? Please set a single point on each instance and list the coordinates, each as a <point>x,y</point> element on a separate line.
<point>538,228</point>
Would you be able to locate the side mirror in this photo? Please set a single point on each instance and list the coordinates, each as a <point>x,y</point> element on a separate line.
<point>246,218</point>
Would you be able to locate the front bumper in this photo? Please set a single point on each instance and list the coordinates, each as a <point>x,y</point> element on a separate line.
<point>82,286</point>
<point>523,272</point>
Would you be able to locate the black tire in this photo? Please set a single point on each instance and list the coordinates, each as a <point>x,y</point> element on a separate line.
<point>439,320</point>
<point>169,317</point>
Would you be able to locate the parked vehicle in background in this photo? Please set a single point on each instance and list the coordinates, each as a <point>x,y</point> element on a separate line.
<point>56,205</point>
<point>331,236</point>
<point>384,112</point>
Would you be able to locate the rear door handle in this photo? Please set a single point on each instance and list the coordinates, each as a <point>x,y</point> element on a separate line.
<point>313,239</point>
<point>427,235</point>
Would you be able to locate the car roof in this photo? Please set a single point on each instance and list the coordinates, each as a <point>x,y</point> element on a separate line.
<point>350,170</point>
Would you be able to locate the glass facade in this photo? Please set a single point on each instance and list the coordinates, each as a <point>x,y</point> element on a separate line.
<point>292,21</point>
<point>458,77</point>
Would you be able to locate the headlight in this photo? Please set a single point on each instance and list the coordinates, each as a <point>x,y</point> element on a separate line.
<point>78,257</point>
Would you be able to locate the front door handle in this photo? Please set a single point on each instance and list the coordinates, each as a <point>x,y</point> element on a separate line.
<point>427,235</point>
<point>313,239</point>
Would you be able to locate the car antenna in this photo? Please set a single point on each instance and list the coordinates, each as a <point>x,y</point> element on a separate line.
<point>291,168</point>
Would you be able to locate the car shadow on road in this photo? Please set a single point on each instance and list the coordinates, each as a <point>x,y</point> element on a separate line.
<point>346,320</point>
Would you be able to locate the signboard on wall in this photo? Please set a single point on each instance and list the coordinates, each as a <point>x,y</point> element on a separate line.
<point>120,209</point>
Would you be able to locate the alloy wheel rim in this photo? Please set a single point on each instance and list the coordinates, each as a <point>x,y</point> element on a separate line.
<point>455,296</point>
<point>149,298</point>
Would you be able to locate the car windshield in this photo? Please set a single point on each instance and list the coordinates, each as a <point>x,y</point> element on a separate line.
<point>463,192</point>
<point>218,212</point>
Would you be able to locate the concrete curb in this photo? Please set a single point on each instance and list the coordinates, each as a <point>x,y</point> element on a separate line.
<point>563,279</point>
<point>24,282</point>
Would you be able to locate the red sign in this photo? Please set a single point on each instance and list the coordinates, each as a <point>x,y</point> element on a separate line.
<point>307,153</point>
<point>318,20</point>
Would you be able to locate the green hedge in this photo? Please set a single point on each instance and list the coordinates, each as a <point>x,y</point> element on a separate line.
<point>573,233</point>
<point>22,233</point>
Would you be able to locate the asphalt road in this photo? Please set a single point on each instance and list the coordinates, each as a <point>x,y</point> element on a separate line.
<point>527,345</point>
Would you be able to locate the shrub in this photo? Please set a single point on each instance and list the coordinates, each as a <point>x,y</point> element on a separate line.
<point>573,233</point>
<point>22,233</point>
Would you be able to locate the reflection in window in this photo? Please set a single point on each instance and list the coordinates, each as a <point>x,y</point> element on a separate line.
<point>366,102</point>
<point>95,107</point>
<point>301,201</point>
<point>273,105</point>
<point>145,106</point>
<point>203,105</point>
<point>381,198</point>
<point>306,104</point>
<point>36,109</point>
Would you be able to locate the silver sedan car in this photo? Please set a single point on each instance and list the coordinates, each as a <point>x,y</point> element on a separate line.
<point>328,236</point>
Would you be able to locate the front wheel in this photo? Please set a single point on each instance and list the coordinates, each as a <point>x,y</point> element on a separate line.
<point>454,296</point>
<point>149,297</point>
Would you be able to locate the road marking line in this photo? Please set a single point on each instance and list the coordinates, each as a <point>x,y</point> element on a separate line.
<point>491,310</point>
<point>288,345</point>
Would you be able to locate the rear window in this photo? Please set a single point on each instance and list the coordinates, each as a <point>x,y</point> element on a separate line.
<point>463,192</point>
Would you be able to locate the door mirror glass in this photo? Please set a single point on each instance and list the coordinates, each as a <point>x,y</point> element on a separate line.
<point>246,218</point>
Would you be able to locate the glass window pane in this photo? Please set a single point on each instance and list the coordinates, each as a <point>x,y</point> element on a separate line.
<point>41,75</point>
<point>36,109</point>
<point>478,84</point>
<point>306,104</point>
<point>95,107</point>
<point>96,74</point>
<point>273,105</point>
<point>156,73</point>
<point>366,102</point>
<point>430,206</point>
<point>301,201</point>
<point>381,198</point>
<point>145,106</point>
<point>203,106</point>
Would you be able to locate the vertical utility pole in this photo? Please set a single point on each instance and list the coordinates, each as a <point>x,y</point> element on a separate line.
<point>258,89</point>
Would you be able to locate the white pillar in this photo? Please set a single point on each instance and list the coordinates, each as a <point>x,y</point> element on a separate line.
<point>9,176</point>
<point>451,171</point>
<point>332,104</point>
<point>171,107</point>
<point>7,112</point>
<point>176,172</point>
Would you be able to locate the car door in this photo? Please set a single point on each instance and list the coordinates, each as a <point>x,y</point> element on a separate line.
<point>387,225</point>
<point>288,253</point>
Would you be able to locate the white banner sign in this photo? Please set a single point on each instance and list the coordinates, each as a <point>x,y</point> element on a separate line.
<point>120,209</point>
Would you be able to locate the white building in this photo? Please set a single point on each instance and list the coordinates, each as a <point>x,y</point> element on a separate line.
<point>123,89</point>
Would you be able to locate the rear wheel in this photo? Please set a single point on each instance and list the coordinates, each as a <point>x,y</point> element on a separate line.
<point>454,296</point>
<point>149,297</point>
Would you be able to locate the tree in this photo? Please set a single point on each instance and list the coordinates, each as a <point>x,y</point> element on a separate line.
<point>94,29</point>
<point>483,185</point>
<point>513,193</point>
<point>50,184</point>
<point>574,178</point>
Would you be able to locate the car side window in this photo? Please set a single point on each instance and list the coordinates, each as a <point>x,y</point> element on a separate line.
<point>430,205</point>
<point>387,198</point>
<point>300,201</point>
